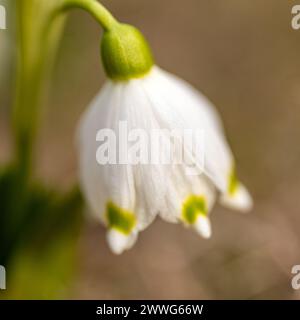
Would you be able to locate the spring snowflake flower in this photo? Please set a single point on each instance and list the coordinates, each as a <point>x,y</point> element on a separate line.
<point>127,197</point>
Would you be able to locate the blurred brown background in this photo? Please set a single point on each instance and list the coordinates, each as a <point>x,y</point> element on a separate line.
<point>244,56</point>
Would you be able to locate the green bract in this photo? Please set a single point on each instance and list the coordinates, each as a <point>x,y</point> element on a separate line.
<point>125,53</point>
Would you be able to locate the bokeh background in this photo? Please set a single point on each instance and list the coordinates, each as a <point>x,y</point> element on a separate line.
<point>244,56</point>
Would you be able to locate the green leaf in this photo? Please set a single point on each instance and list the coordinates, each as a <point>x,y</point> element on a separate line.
<point>38,235</point>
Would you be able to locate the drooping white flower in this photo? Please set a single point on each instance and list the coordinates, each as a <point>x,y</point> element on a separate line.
<point>127,197</point>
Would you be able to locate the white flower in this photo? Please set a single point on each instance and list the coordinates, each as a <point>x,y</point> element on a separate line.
<point>125,197</point>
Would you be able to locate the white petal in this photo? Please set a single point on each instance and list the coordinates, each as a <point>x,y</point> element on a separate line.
<point>138,189</point>
<point>103,183</point>
<point>180,188</point>
<point>91,175</point>
<point>148,178</point>
<point>239,200</point>
<point>119,242</point>
<point>180,106</point>
<point>203,226</point>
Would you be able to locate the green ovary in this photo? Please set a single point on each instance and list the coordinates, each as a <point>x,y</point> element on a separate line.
<point>193,207</point>
<point>125,53</point>
<point>119,219</point>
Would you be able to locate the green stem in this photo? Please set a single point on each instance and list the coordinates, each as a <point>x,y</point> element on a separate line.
<point>36,43</point>
<point>38,37</point>
<point>96,9</point>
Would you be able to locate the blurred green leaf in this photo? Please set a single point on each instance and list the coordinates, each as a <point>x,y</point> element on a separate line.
<point>38,232</point>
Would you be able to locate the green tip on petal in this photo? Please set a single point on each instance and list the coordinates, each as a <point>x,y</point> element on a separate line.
<point>192,208</point>
<point>237,196</point>
<point>125,53</point>
<point>233,183</point>
<point>119,219</point>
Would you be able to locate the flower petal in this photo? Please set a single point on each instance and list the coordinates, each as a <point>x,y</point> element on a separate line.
<point>178,105</point>
<point>189,200</point>
<point>203,226</point>
<point>239,200</point>
<point>91,174</point>
<point>119,242</point>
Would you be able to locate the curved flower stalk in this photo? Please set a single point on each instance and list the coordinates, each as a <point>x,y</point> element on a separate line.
<point>127,197</point>
<point>37,36</point>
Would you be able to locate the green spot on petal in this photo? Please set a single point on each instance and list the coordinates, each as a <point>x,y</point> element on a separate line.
<point>233,181</point>
<point>119,219</point>
<point>192,207</point>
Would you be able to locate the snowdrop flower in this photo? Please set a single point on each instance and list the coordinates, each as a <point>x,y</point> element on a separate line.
<point>127,197</point>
